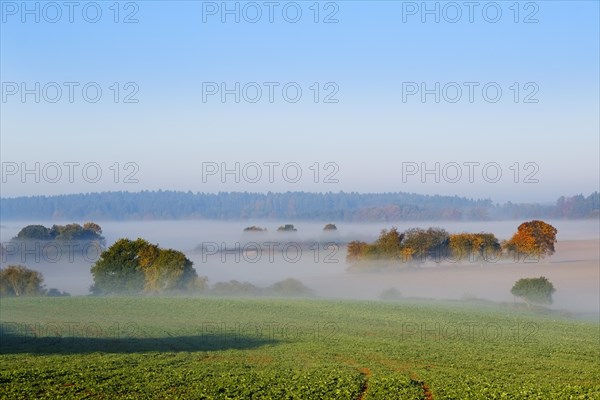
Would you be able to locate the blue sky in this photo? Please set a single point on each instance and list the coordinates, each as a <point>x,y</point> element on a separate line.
<point>368,61</point>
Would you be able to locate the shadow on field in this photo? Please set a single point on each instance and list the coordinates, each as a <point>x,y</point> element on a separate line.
<point>16,341</point>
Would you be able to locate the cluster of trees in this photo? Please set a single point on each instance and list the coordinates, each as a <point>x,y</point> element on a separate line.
<point>254,228</point>
<point>137,266</point>
<point>18,281</point>
<point>90,231</point>
<point>287,228</point>
<point>532,238</point>
<point>339,206</point>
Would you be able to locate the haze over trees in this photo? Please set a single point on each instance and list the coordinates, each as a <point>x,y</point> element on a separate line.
<point>339,206</point>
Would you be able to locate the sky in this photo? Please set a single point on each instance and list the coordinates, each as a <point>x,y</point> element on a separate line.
<point>492,100</point>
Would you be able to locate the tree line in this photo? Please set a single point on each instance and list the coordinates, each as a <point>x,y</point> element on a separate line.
<point>534,239</point>
<point>339,206</point>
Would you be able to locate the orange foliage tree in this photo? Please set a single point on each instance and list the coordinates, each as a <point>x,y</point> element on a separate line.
<point>533,238</point>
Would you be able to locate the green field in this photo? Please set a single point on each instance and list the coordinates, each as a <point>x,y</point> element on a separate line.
<point>205,348</point>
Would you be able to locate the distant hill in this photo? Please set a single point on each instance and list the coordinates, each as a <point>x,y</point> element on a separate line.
<point>328,206</point>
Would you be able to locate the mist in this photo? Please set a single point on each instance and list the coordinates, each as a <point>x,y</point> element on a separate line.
<point>222,251</point>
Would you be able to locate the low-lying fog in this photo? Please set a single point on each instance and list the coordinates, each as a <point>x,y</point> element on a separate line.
<point>574,269</point>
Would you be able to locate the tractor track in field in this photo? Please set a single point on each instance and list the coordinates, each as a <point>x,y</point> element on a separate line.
<point>366,373</point>
<point>415,380</point>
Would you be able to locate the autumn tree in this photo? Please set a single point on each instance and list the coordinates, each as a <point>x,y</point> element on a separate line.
<point>533,238</point>
<point>420,243</point>
<point>355,250</point>
<point>474,246</point>
<point>18,280</point>
<point>389,243</point>
<point>534,290</point>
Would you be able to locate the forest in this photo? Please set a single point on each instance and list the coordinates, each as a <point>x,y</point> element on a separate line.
<point>341,206</point>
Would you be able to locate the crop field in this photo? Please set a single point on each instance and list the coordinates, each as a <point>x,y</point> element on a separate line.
<point>212,348</point>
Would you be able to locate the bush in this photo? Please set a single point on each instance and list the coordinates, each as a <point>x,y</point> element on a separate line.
<point>54,292</point>
<point>235,288</point>
<point>290,287</point>
<point>391,294</point>
<point>534,290</point>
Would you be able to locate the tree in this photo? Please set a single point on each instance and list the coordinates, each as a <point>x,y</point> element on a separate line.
<point>474,245</point>
<point>34,232</point>
<point>171,270</point>
<point>132,267</point>
<point>18,280</point>
<point>355,250</point>
<point>254,228</point>
<point>533,238</point>
<point>118,270</point>
<point>287,228</point>
<point>330,227</point>
<point>389,243</point>
<point>88,232</point>
<point>420,244</point>
<point>534,290</point>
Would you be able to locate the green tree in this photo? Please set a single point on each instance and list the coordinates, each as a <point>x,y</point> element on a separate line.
<point>118,270</point>
<point>34,232</point>
<point>139,266</point>
<point>18,280</point>
<point>534,290</point>
<point>171,270</point>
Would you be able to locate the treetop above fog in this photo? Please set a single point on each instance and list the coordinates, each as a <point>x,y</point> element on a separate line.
<point>90,231</point>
